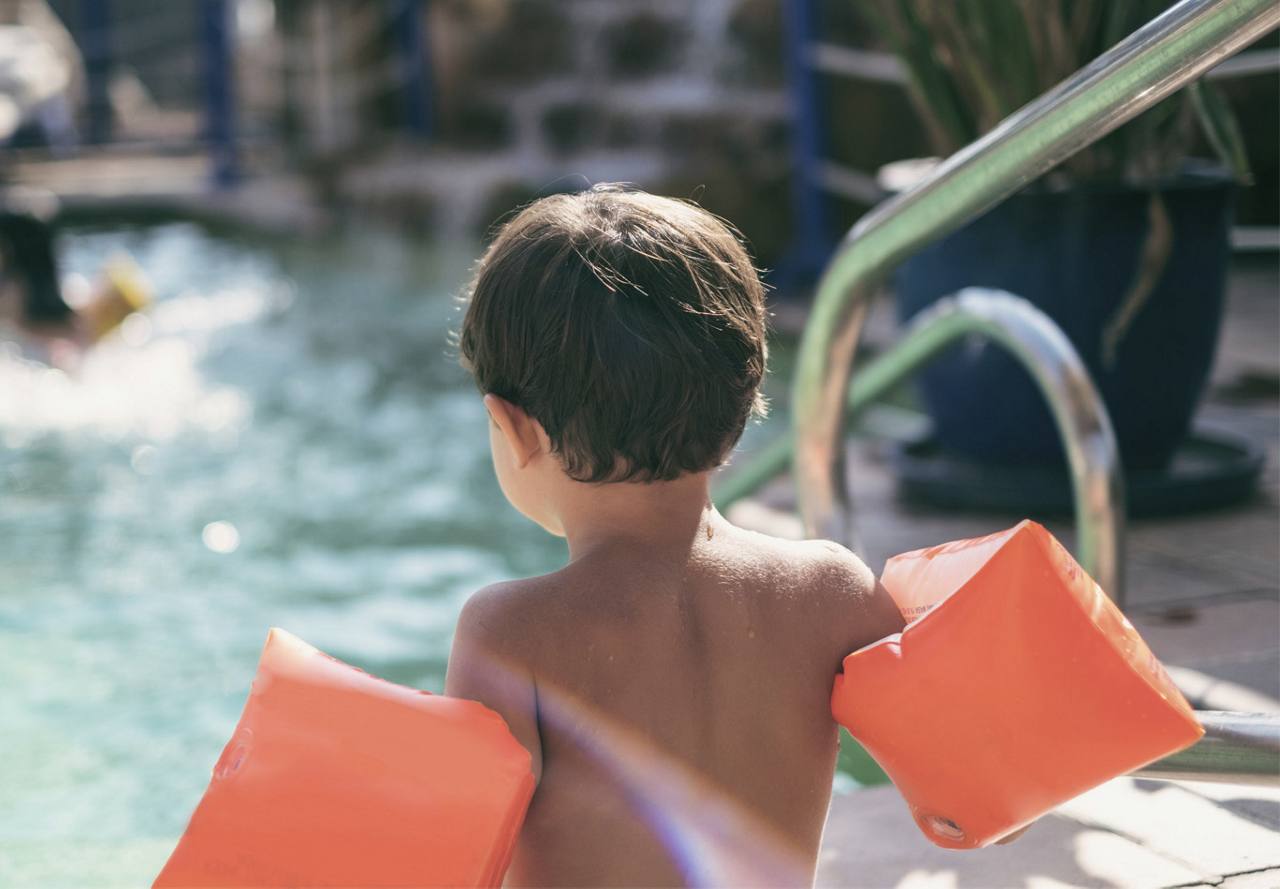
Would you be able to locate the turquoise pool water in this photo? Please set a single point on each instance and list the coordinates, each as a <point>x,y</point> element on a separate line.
<point>285,441</point>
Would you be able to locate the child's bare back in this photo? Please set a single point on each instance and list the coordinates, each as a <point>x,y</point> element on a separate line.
<point>672,681</point>
<point>680,706</point>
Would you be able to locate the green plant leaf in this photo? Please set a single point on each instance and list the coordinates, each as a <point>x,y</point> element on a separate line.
<point>974,62</point>
<point>1220,127</point>
<point>932,89</point>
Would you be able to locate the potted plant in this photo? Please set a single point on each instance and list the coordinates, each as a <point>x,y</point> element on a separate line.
<point>1125,245</point>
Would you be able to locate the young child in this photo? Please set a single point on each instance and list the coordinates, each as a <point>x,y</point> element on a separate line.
<point>672,681</point>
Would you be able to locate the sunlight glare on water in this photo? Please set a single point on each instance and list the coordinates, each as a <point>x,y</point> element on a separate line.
<point>284,439</point>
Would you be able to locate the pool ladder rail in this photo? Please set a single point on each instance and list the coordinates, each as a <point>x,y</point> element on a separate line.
<point>1158,59</point>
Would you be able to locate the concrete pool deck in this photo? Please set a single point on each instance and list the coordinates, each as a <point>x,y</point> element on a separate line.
<point>1127,833</point>
<point>1204,591</point>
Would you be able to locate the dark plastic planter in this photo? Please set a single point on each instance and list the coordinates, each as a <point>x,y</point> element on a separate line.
<point>1074,253</point>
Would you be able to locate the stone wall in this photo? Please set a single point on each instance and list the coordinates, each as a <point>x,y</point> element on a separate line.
<point>538,96</point>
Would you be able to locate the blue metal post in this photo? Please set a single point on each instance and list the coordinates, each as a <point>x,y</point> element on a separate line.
<point>95,42</point>
<point>414,64</point>
<point>219,88</point>
<point>811,245</point>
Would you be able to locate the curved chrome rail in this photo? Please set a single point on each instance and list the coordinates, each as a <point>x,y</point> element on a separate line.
<point>1153,62</point>
<point>1243,748</point>
<point>1041,347</point>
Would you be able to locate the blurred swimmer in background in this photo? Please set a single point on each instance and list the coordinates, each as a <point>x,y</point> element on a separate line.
<point>49,324</point>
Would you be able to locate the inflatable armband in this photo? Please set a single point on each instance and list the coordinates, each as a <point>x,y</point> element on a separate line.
<point>1015,686</point>
<point>336,778</point>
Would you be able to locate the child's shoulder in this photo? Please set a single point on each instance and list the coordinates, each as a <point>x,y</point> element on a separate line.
<point>848,606</point>
<point>497,611</point>
<point>838,570</point>
<point>511,615</point>
<point>823,566</point>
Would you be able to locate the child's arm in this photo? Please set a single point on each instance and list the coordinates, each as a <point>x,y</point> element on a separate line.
<point>484,666</point>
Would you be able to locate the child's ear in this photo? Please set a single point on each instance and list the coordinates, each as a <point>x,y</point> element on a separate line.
<point>524,435</point>
<point>544,440</point>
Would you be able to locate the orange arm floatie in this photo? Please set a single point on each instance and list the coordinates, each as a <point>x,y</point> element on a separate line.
<point>1015,686</point>
<point>336,778</point>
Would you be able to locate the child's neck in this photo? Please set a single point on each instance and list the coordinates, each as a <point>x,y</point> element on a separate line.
<point>653,516</point>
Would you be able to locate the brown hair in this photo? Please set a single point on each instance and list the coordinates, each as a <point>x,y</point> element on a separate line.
<point>631,326</point>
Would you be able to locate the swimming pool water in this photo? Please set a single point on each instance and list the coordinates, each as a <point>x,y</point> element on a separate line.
<point>284,440</point>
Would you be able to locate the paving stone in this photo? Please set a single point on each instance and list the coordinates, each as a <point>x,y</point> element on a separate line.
<point>1221,552</point>
<point>1215,629</point>
<point>1265,879</point>
<point>1206,692</point>
<point>1221,640</point>
<point>871,841</point>
<point>1260,805</point>
<point>1179,825</point>
<point>1248,342</point>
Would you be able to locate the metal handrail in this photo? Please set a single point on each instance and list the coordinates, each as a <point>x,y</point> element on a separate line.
<point>1242,748</point>
<point>1039,345</point>
<point>1156,60</point>
<point>1153,62</point>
